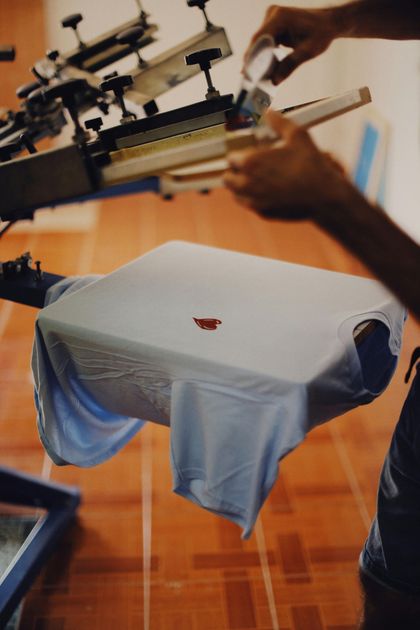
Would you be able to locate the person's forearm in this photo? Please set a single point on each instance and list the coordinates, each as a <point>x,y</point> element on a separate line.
<point>385,19</point>
<point>384,248</point>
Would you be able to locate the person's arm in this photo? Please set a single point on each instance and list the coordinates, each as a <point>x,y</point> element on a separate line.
<point>309,32</point>
<point>383,19</point>
<point>380,244</point>
<point>293,180</point>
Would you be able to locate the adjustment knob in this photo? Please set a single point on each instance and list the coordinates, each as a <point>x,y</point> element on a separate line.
<point>71,21</point>
<point>94,123</point>
<point>203,58</point>
<point>24,90</point>
<point>7,151</point>
<point>150,108</point>
<point>26,142</point>
<point>52,55</point>
<point>110,75</point>
<point>131,37</point>
<point>68,91</point>
<point>117,85</point>
<point>7,53</point>
<point>201,4</point>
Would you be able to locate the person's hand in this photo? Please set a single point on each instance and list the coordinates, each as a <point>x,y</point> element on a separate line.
<point>291,179</point>
<point>307,32</point>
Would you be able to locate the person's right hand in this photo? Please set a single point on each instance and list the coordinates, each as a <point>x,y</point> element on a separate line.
<point>307,32</point>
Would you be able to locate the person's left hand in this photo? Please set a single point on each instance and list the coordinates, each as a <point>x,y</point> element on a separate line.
<point>291,179</point>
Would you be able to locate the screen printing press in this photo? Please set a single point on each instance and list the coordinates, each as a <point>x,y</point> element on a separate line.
<point>162,152</point>
<point>63,87</point>
<point>213,355</point>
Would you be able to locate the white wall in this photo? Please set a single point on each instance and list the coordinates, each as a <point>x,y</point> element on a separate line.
<point>390,69</point>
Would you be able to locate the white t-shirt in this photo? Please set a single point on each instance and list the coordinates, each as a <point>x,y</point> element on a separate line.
<point>240,355</point>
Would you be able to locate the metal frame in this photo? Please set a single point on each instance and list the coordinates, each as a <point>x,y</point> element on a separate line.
<point>162,72</point>
<point>61,503</point>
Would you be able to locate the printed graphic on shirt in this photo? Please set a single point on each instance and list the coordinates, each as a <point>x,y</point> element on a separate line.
<point>207,323</point>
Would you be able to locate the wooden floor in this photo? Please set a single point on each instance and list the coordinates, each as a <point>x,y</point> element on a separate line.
<point>141,557</point>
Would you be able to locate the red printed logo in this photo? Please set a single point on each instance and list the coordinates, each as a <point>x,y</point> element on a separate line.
<point>208,323</point>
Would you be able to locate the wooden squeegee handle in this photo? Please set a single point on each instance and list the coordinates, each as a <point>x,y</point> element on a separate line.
<point>201,152</point>
<point>206,175</point>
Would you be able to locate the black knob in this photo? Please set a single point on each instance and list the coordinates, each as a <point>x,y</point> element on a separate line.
<point>26,142</point>
<point>9,150</point>
<point>94,123</point>
<point>197,3</point>
<point>71,21</point>
<point>117,85</point>
<point>103,105</point>
<point>150,108</point>
<point>203,58</point>
<point>7,53</point>
<point>131,37</point>
<point>24,90</point>
<point>201,4</point>
<point>110,75</point>
<point>38,273</point>
<point>52,55</point>
<point>68,91</point>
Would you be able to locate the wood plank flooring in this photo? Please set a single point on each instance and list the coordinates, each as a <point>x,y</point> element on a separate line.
<point>140,557</point>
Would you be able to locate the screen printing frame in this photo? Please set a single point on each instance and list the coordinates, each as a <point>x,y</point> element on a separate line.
<point>60,503</point>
